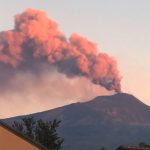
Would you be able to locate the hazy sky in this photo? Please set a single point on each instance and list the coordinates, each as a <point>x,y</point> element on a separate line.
<point>120,28</point>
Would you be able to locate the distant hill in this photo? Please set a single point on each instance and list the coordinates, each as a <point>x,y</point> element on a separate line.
<point>104,121</point>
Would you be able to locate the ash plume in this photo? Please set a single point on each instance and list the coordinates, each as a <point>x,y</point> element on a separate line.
<point>36,39</point>
<point>36,50</point>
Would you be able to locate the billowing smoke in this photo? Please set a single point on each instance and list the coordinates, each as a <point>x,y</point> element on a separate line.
<point>35,52</point>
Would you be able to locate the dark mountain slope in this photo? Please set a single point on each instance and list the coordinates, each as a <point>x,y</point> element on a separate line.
<point>104,121</point>
<point>121,107</point>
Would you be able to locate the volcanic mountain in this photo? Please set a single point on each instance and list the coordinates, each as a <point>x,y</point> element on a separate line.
<point>107,121</point>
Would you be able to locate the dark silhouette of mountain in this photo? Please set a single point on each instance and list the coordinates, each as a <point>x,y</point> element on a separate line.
<point>104,121</point>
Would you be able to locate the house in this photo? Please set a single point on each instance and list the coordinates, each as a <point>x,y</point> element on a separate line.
<point>13,140</point>
<point>123,147</point>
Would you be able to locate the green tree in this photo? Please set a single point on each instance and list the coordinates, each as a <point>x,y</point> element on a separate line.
<point>18,126</point>
<point>40,131</point>
<point>103,148</point>
<point>46,134</point>
<point>29,124</point>
<point>144,145</point>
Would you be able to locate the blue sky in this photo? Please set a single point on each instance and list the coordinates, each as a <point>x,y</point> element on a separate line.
<point>120,28</point>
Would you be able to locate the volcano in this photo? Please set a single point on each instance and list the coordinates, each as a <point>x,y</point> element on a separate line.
<point>107,121</point>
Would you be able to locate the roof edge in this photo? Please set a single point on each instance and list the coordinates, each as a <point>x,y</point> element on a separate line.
<point>12,130</point>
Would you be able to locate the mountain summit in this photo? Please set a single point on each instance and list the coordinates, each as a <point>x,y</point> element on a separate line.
<point>121,107</point>
<point>104,121</point>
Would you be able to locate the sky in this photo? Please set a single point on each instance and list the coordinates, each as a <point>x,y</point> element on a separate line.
<point>120,28</point>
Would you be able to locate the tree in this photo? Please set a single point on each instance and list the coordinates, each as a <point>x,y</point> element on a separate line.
<point>40,131</point>
<point>144,145</point>
<point>30,125</point>
<point>46,134</point>
<point>103,148</point>
<point>18,126</point>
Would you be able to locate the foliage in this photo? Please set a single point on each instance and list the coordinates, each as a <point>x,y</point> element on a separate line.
<point>103,148</point>
<point>40,131</point>
<point>144,145</point>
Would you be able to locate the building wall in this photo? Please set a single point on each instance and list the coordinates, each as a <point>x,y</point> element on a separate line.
<point>10,141</point>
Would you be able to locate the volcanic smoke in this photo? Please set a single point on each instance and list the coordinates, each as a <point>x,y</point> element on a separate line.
<point>35,49</point>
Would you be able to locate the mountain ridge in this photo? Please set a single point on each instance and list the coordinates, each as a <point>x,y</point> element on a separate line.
<point>104,121</point>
